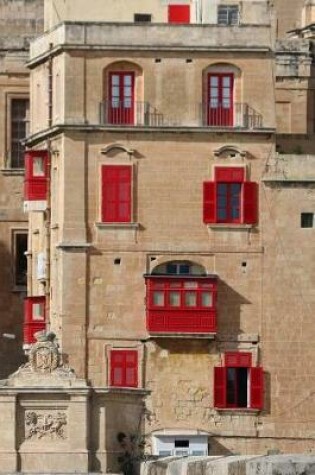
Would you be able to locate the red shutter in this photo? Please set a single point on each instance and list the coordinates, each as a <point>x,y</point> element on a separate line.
<point>256,388</point>
<point>250,202</point>
<point>116,193</point>
<point>124,368</point>
<point>219,387</point>
<point>230,174</point>
<point>209,202</point>
<point>237,359</point>
<point>179,13</point>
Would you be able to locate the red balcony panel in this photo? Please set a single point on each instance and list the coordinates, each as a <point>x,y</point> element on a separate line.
<point>34,317</point>
<point>36,175</point>
<point>180,304</point>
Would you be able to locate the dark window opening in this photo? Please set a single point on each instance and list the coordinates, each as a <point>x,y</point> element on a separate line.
<point>20,259</point>
<point>236,385</point>
<point>142,18</point>
<point>19,121</point>
<point>307,220</point>
<point>181,443</point>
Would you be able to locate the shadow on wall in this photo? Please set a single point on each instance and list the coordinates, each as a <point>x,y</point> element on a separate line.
<point>229,306</point>
<point>11,318</point>
<point>215,448</point>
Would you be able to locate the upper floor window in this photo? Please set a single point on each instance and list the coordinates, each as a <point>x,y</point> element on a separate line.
<point>307,220</point>
<point>121,98</point>
<point>19,117</point>
<point>220,100</point>
<point>20,260</point>
<point>124,368</point>
<point>228,15</point>
<point>116,194</point>
<point>179,13</point>
<point>142,18</point>
<point>238,384</point>
<point>230,198</point>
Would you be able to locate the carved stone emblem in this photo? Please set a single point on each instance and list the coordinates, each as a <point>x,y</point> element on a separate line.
<point>43,425</point>
<point>44,356</point>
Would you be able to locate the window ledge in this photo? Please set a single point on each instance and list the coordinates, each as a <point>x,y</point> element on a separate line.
<point>19,289</point>
<point>118,390</point>
<point>117,225</point>
<point>237,410</point>
<point>230,226</point>
<point>198,336</point>
<point>12,171</point>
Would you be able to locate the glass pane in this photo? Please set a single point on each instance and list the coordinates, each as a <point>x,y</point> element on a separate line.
<point>127,91</point>
<point>190,299</point>
<point>38,312</point>
<point>214,81</point>
<point>127,80</point>
<point>184,269</point>
<point>222,214</point>
<point>158,298</point>
<point>206,299</point>
<point>226,81</point>
<point>222,188</point>
<point>115,91</point>
<point>127,103</point>
<point>38,166</point>
<point>115,80</point>
<point>171,269</point>
<point>190,285</point>
<point>175,285</point>
<point>174,299</point>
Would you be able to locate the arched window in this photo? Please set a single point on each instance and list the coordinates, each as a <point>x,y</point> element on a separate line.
<point>181,299</point>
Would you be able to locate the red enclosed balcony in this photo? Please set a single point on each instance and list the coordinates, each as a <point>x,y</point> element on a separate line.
<point>181,305</point>
<point>34,318</point>
<point>36,175</point>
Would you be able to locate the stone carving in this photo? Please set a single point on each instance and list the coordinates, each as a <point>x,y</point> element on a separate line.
<point>44,357</point>
<point>44,425</point>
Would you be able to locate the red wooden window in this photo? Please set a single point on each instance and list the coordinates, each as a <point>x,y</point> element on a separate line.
<point>220,99</point>
<point>179,13</point>
<point>121,98</point>
<point>230,199</point>
<point>116,193</point>
<point>181,305</point>
<point>36,175</point>
<point>34,317</point>
<point>238,384</point>
<point>124,368</point>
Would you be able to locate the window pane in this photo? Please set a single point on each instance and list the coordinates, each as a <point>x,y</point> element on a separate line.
<point>38,312</point>
<point>184,269</point>
<point>171,268</point>
<point>307,220</point>
<point>115,80</point>
<point>206,299</point>
<point>38,166</point>
<point>190,299</point>
<point>175,285</point>
<point>158,298</point>
<point>20,259</point>
<point>174,299</point>
<point>127,80</point>
<point>190,285</point>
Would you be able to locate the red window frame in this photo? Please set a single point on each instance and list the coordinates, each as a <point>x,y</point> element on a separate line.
<point>35,185</point>
<point>116,193</point>
<point>238,203</point>
<point>220,100</point>
<point>255,380</point>
<point>181,318</point>
<point>121,107</point>
<point>124,368</point>
<point>179,14</point>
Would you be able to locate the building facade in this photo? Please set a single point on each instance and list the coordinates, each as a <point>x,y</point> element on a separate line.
<point>169,185</point>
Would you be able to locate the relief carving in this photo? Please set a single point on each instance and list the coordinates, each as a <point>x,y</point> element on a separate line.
<point>44,356</point>
<point>45,425</point>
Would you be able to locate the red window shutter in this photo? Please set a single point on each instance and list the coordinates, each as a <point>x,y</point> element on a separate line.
<point>131,369</point>
<point>256,388</point>
<point>124,368</point>
<point>230,174</point>
<point>219,387</point>
<point>209,202</point>
<point>250,202</point>
<point>116,193</point>
<point>179,13</point>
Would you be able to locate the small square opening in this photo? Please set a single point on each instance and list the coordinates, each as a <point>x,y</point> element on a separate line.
<point>307,220</point>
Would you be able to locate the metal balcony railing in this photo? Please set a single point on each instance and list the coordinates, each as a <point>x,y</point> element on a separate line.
<point>142,114</point>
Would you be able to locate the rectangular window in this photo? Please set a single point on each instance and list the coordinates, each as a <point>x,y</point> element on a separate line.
<point>20,260</point>
<point>124,368</point>
<point>220,100</point>
<point>142,18</point>
<point>307,220</point>
<point>238,384</point>
<point>179,13</point>
<point>116,193</point>
<point>19,118</point>
<point>230,199</point>
<point>121,98</point>
<point>228,15</point>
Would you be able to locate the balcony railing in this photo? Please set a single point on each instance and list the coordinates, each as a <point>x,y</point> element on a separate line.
<point>143,114</point>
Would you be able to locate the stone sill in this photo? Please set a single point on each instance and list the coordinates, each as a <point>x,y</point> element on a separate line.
<point>128,391</point>
<point>237,410</point>
<point>229,226</point>
<point>73,245</point>
<point>12,171</point>
<point>117,225</point>
<point>197,336</point>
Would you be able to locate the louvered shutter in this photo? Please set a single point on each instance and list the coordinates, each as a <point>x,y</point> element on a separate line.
<point>219,387</point>
<point>116,193</point>
<point>256,388</point>
<point>250,202</point>
<point>209,202</point>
